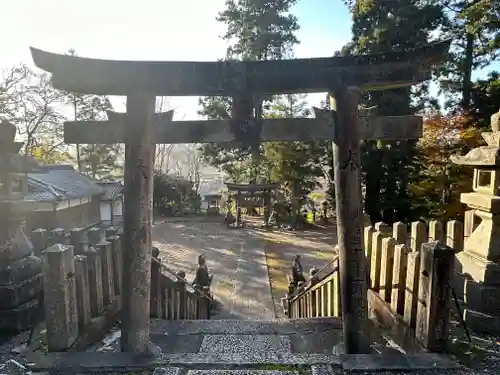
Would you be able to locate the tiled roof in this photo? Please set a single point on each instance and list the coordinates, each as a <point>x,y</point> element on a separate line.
<point>56,182</point>
<point>111,190</point>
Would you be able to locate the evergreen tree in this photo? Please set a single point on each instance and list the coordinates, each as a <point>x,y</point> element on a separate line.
<point>257,30</point>
<point>99,161</point>
<point>474,27</point>
<point>298,165</point>
<point>381,26</point>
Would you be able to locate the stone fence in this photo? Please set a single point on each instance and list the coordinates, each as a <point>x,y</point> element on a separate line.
<point>82,287</point>
<point>82,284</point>
<point>173,298</point>
<point>409,274</point>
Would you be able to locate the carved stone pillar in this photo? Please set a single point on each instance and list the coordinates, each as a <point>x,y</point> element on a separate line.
<point>478,265</point>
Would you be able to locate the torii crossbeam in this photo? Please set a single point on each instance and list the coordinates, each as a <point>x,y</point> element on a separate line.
<point>141,81</point>
<point>321,128</point>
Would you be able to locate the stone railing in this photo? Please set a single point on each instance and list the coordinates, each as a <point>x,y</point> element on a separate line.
<point>317,297</point>
<point>82,286</point>
<point>410,278</point>
<point>173,298</point>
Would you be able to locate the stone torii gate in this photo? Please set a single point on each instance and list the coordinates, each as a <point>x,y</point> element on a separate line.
<point>141,81</point>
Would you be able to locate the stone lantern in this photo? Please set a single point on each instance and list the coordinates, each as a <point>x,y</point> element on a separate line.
<point>13,180</point>
<point>13,168</point>
<point>21,277</point>
<point>479,263</point>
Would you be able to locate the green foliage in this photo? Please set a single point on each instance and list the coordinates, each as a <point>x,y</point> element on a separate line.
<point>387,167</point>
<point>485,100</point>
<point>297,165</point>
<point>260,29</point>
<point>474,27</point>
<point>256,30</point>
<point>174,196</point>
<point>99,161</point>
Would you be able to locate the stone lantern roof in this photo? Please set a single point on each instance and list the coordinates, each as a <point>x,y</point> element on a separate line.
<point>484,157</point>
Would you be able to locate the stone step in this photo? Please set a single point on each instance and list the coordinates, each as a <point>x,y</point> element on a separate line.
<point>95,362</point>
<point>247,360</point>
<point>315,370</point>
<point>335,370</point>
<point>245,327</point>
<point>179,371</point>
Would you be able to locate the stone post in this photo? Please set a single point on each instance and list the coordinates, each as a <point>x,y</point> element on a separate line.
<point>479,263</point>
<point>108,285</point>
<point>411,293</point>
<point>434,295</point>
<point>111,231</point>
<point>76,239</point>
<point>116,253</point>
<point>61,316</point>
<point>382,231</point>
<point>155,303</point>
<point>399,276</point>
<point>206,301</point>
<point>95,281</point>
<point>95,236</point>
<point>82,291</point>
<point>386,268</point>
<point>57,237</point>
<point>39,240</point>
<point>181,288</point>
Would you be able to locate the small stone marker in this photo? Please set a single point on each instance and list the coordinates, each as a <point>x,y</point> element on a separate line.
<point>61,316</point>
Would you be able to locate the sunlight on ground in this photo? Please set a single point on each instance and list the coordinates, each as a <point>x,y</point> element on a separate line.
<point>224,290</point>
<point>225,251</point>
<point>323,256</point>
<point>278,269</point>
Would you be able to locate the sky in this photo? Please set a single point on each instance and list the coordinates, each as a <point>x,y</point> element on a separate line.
<point>152,30</point>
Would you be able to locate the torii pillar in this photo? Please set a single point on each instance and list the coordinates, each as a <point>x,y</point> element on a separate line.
<point>352,262</point>
<point>138,217</point>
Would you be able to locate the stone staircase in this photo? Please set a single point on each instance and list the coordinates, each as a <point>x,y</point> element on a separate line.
<point>251,347</point>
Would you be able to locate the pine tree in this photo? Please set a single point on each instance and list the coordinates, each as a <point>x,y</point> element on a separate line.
<point>474,26</point>
<point>384,26</point>
<point>99,161</point>
<point>257,30</point>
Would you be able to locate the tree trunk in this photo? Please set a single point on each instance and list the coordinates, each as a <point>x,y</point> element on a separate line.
<point>467,73</point>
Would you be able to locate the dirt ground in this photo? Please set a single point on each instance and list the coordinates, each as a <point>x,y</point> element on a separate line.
<point>315,247</point>
<point>227,250</point>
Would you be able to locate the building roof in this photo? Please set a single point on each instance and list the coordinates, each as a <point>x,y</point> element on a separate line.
<point>111,190</point>
<point>59,182</point>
